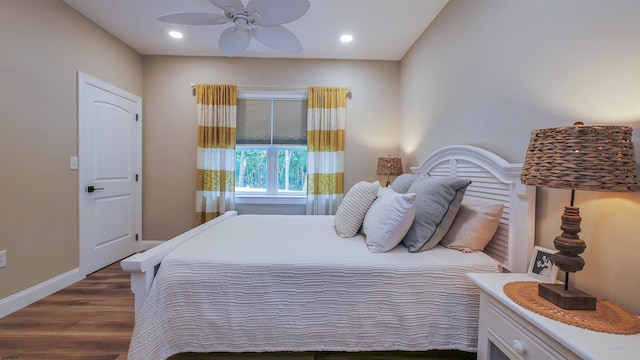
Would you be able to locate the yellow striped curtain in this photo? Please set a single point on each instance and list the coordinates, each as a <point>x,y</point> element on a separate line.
<point>216,163</point>
<point>326,119</point>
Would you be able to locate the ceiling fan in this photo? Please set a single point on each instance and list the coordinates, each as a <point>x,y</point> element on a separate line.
<point>261,19</point>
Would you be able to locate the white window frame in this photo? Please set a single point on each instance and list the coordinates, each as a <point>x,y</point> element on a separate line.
<point>272,196</point>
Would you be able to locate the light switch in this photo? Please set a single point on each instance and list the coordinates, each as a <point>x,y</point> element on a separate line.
<point>73,163</point>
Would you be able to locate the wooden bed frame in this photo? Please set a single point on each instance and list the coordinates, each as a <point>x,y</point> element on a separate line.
<point>493,179</point>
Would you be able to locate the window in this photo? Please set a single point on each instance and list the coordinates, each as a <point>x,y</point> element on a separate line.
<point>271,138</point>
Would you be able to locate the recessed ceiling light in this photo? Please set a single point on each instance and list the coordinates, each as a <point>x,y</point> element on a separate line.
<point>175,34</point>
<point>346,38</point>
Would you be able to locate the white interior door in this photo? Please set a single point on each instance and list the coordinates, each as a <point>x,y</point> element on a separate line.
<point>110,144</point>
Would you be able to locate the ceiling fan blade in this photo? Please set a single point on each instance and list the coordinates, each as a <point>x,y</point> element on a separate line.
<point>226,5</point>
<point>194,18</point>
<point>233,40</point>
<point>278,38</point>
<point>276,12</point>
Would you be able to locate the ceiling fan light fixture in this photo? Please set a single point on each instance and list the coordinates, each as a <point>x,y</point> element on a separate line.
<point>241,23</point>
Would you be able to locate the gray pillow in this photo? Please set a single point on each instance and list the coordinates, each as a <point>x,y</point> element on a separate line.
<point>402,183</point>
<point>437,203</point>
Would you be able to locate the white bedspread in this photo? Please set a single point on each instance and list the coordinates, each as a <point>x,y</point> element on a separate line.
<point>258,283</point>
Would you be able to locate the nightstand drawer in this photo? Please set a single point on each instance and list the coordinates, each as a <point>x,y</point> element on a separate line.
<point>508,332</point>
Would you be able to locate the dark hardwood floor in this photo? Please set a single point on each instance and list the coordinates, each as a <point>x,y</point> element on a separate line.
<point>93,320</point>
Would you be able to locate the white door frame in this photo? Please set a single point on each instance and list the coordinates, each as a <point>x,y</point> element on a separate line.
<point>83,80</point>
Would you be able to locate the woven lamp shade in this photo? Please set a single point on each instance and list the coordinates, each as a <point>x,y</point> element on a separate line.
<point>594,158</point>
<point>389,166</point>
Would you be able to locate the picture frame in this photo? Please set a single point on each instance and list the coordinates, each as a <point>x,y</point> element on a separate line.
<point>541,265</point>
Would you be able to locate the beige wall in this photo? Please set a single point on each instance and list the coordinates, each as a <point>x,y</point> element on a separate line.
<point>170,122</point>
<point>488,72</point>
<point>43,44</point>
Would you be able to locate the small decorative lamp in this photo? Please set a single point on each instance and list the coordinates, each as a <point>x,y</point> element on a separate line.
<point>578,157</point>
<point>390,166</point>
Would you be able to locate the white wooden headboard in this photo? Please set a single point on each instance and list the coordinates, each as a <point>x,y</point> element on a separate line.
<point>493,180</point>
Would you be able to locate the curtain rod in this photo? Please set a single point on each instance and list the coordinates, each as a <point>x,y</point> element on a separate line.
<point>290,88</point>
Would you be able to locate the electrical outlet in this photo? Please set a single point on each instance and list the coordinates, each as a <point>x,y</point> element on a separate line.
<point>3,258</point>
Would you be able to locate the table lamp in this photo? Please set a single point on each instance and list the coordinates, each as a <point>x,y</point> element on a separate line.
<point>390,166</point>
<point>578,157</point>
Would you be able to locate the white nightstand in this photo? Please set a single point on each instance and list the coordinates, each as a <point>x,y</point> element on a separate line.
<point>509,331</point>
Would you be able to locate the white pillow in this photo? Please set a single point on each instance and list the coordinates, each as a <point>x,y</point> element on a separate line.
<point>388,219</point>
<point>474,226</point>
<point>354,206</point>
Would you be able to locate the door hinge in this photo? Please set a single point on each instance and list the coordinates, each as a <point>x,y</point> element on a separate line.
<point>136,177</point>
<point>136,117</point>
<point>136,237</point>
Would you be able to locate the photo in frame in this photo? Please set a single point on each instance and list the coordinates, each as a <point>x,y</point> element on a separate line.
<point>541,265</point>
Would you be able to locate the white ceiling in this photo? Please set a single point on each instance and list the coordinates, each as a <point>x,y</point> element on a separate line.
<point>382,29</point>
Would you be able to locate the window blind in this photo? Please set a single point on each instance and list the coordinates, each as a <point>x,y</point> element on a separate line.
<point>271,121</point>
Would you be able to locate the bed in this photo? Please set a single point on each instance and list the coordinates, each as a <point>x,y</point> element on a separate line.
<point>240,284</point>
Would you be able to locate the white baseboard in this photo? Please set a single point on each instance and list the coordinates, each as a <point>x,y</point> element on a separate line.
<point>27,297</point>
<point>148,244</point>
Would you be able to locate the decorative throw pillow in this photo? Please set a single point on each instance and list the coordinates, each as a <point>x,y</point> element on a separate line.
<point>474,226</point>
<point>353,208</point>
<point>388,219</point>
<point>437,203</point>
<point>401,183</point>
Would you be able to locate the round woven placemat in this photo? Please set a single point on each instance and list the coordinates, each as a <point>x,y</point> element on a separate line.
<point>608,317</point>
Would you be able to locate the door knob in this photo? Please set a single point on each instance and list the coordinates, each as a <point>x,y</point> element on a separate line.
<point>92,188</point>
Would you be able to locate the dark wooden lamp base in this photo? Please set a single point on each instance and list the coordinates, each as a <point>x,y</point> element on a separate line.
<point>569,245</point>
<point>571,299</point>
